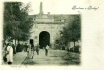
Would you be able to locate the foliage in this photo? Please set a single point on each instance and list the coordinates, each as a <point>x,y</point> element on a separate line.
<point>19,48</point>
<point>17,23</point>
<point>76,49</point>
<point>72,31</point>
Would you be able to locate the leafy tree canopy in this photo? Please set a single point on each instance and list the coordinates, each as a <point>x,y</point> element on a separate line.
<point>17,22</point>
<point>72,31</point>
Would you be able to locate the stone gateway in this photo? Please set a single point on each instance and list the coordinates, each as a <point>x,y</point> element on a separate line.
<point>46,28</point>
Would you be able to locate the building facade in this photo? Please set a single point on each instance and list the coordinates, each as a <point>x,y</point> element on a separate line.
<point>46,28</point>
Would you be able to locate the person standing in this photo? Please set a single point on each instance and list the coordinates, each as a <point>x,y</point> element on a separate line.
<point>4,52</point>
<point>46,50</point>
<point>14,51</point>
<point>25,47</point>
<point>18,48</point>
<point>32,51</point>
<point>29,51</point>
<point>37,49</point>
<point>9,54</point>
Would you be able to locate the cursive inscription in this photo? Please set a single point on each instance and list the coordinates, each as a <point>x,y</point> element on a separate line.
<point>87,8</point>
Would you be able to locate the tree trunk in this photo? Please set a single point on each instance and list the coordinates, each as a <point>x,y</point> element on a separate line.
<point>67,44</point>
<point>15,42</point>
<point>18,41</point>
<point>15,46</point>
<point>74,46</point>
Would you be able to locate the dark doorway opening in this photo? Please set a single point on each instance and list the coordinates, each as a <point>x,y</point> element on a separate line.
<point>44,39</point>
<point>31,41</point>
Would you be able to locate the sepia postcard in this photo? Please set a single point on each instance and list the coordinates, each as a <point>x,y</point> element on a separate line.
<point>52,34</point>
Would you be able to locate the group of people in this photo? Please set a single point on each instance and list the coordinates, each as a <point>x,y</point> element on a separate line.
<point>8,52</point>
<point>10,49</point>
<point>31,48</point>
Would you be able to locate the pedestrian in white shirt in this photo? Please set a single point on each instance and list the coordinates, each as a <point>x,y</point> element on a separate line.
<point>46,50</point>
<point>9,53</point>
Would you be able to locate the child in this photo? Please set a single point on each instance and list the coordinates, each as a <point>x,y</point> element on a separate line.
<point>28,51</point>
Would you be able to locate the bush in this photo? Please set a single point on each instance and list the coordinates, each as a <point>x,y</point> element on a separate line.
<point>57,46</point>
<point>76,49</point>
<point>63,47</point>
<point>71,50</point>
<point>19,48</point>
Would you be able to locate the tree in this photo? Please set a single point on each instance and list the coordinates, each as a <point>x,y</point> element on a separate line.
<point>72,31</point>
<point>17,22</point>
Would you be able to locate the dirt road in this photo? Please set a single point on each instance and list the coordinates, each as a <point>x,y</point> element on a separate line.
<point>55,57</point>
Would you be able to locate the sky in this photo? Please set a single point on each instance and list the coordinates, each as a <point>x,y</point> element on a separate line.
<point>54,6</point>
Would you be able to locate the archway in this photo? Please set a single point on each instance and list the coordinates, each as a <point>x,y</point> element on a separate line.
<point>44,39</point>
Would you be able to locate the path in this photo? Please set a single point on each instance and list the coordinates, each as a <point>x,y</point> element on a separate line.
<point>55,57</point>
<point>18,58</point>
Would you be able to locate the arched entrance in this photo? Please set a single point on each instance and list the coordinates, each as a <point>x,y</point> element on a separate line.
<point>44,39</point>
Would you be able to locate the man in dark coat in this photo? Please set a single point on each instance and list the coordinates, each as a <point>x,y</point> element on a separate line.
<point>14,51</point>
<point>25,46</point>
<point>32,50</point>
<point>37,49</point>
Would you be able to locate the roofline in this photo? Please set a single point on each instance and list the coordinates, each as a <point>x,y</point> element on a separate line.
<point>55,14</point>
